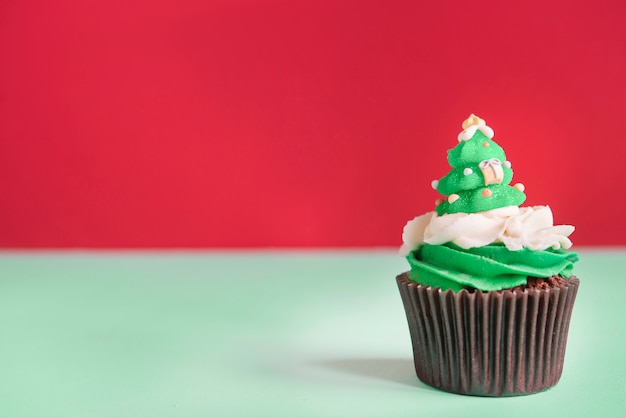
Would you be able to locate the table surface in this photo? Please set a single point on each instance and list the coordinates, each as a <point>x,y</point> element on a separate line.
<point>261,333</point>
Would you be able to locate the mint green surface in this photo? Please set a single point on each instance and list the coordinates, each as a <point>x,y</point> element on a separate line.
<point>261,334</point>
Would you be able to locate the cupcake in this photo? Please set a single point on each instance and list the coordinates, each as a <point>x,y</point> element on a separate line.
<point>490,290</point>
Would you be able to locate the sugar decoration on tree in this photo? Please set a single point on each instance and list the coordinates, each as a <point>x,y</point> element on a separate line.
<point>480,175</point>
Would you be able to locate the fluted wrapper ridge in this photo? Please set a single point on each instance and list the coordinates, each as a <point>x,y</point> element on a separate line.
<point>500,343</point>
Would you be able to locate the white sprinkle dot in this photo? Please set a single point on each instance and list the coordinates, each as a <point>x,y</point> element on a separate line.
<point>453,198</point>
<point>467,171</point>
<point>507,164</point>
<point>434,184</point>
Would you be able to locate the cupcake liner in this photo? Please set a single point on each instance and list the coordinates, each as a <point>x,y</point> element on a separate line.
<point>503,343</point>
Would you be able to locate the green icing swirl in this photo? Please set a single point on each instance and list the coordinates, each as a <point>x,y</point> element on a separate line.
<point>488,268</point>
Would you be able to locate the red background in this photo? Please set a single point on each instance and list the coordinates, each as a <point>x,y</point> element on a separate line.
<point>297,123</point>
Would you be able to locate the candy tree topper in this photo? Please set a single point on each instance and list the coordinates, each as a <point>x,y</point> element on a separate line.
<point>481,175</point>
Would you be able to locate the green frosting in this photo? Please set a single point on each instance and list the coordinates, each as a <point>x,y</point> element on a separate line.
<point>492,267</point>
<point>479,181</point>
<point>467,179</point>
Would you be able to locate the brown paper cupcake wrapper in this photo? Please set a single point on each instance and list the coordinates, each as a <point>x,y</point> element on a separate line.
<point>488,343</point>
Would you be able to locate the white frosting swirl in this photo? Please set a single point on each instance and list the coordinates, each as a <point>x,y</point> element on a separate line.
<point>516,227</point>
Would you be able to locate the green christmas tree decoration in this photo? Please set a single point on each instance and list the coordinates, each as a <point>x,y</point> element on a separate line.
<point>480,177</point>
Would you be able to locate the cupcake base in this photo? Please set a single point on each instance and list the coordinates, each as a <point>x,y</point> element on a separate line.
<point>504,343</point>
